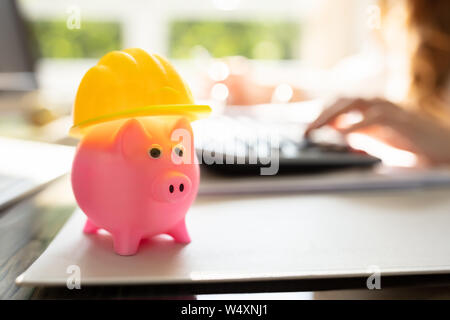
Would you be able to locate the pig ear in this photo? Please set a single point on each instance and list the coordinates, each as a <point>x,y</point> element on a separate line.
<point>181,123</point>
<point>181,130</point>
<point>131,138</point>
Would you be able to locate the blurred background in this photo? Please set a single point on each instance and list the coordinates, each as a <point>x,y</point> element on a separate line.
<point>304,49</point>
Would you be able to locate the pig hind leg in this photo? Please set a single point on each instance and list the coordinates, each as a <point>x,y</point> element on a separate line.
<point>90,227</point>
<point>179,233</point>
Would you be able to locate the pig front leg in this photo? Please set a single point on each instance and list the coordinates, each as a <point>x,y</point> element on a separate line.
<point>126,244</point>
<point>90,227</point>
<point>179,233</point>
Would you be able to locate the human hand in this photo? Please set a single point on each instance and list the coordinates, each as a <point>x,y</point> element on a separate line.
<point>385,121</point>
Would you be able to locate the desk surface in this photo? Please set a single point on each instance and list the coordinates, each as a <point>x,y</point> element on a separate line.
<point>27,228</point>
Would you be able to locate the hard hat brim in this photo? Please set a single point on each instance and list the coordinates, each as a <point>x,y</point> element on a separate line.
<point>190,111</point>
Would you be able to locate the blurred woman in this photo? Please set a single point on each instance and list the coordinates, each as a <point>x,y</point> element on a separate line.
<point>422,123</point>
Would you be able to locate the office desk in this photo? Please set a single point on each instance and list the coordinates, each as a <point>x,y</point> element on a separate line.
<point>28,227</point>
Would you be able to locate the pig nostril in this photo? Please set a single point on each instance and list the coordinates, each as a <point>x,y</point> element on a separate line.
<point>181,187</point>
<point>171,188</point>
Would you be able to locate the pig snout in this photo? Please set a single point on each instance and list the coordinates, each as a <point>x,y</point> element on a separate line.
<point>171,187</point>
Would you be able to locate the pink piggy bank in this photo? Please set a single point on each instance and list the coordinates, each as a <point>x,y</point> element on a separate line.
<point>133,180</point>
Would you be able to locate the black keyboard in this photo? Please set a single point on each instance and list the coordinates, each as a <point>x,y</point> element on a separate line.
<point>242,146</point>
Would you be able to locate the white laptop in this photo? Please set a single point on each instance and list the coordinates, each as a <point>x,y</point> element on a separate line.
<point>267,237</point>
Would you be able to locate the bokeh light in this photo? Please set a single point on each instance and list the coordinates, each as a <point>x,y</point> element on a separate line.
<point>283,93</point>
<point>219,92</point>
<point>218,71</point>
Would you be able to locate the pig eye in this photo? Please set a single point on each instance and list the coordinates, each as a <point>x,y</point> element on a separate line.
<point>155,152</point>
<point>179,151</point>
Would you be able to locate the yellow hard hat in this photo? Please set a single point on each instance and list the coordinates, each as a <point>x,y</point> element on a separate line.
<point>132,83</point>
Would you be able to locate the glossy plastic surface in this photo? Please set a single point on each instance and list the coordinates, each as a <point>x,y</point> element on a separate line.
<point>127,188</point>
<point>129,176</point>
<point>131,83</point>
